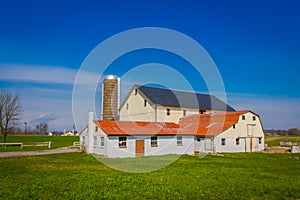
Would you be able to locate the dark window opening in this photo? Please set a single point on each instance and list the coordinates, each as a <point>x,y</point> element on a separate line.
<point>168,111</point>
<point>202,111</point>
<point>223,141</point>
<point>154,141</point>
<point>122,142</point>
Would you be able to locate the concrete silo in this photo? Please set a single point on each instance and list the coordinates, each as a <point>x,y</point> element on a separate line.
<point>110,97</point>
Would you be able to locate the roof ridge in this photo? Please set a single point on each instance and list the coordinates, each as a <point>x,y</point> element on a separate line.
<point>176,90</point>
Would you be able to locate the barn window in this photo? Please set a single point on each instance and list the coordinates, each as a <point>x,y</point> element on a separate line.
<point>259,140</point>
<point>179,140</point>
<point>145,103</point>
<point>135,92</point>
<point>184,112</point>
<point>223,142</point>
<point>254,118</point>
<point>96,128</point>
<point>237,141</point>
<point>154,141</point>
<point>168,111</point>
<point>95,141</point>
<point>122,142</point>
<point>243,117</point>
<point>127,106</point>
<point>233,126</point>
<point>202,111</point>
<point>102,142</point>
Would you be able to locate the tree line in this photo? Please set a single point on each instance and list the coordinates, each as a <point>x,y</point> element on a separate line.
<point>279,132</point>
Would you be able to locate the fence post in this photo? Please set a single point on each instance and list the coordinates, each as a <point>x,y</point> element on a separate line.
<point>49,144</point>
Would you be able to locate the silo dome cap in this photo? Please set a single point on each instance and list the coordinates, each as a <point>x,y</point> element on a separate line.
<point>111,77</point>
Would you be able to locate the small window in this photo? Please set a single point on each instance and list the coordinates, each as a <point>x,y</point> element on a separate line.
<point>96,128</point>
<point>145,103</point>
<point>179,140</point>
<point>83,139</point>
<point>127,106</point>
<point>259,140</point>
<point>254,118</point>
<point>202,111</point>
<point>243,117</point>
<point>122,142</point>
<point>168,111</point>
<point>223,142</point>
<point>135,92</point>
<point>237,141</point>
<point>184,112</point>
<point>233,126</point>
<point>102,142</point>
<point>154,141</point>
<point>95,141</point>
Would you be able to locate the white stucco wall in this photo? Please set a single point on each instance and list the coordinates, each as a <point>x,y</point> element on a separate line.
<point>134,109</point>
<point>165,145</point>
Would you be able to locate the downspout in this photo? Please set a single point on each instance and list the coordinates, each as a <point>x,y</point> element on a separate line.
<point>155,113</point>
<point>91,129</point>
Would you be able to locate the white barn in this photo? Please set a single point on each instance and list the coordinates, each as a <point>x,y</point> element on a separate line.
<point>236,131</point>
<point>164,105</point>
<point>239,131</point>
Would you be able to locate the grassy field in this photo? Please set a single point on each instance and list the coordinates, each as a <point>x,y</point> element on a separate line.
<point>57,141</point>
<point>81,176</point>
<point>275,140</point>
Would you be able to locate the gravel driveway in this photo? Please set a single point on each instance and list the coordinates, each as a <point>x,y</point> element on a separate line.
<point>36,153</point>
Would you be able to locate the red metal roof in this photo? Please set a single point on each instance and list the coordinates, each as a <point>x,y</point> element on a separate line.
<point>201,125</point>
<point>140,128</point>
<point>204,125</point>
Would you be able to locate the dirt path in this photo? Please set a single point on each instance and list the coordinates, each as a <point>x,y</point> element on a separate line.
<point>36,153</point>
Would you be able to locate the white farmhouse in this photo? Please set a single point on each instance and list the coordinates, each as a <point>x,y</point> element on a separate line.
<point>164,105</point>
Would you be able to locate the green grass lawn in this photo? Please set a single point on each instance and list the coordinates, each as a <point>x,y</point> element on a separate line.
<point>82,176</point>
<point>57,142</point>
<point>275,140</point>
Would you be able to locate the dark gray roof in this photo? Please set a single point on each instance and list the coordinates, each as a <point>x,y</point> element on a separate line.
<point>167,97</point>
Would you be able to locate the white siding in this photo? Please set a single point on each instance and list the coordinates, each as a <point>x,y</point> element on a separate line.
<point>165,145</point>
<point>136,110</point>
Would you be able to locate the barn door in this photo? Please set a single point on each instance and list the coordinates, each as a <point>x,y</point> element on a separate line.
<point>250,129</point>
<point>251,144</point>
<point>208,144</point>
<point>139,148</point>
<point>248,144</point>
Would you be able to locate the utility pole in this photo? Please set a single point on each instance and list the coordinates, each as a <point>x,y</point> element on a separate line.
<point>25,123</point>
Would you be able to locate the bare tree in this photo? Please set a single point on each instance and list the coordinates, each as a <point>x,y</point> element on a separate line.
<point>10,109</point>
<point>41,128</point>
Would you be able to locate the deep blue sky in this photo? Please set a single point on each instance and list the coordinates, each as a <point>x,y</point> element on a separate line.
<point>255,45</point>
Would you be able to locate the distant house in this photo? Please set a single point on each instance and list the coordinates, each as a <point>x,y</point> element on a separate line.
<point>235,131</point>
<point>164,105</point>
